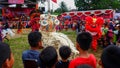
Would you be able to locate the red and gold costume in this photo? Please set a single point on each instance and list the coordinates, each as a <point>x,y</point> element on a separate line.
<point>34,21</point>
<point>93,25</point>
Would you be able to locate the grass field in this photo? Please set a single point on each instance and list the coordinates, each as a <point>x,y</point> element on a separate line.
<point>19,43</point>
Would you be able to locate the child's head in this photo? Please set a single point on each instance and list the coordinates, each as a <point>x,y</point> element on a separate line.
<point>6,57</point>
<point>48,56</point>
<point>64,52</point>
<point>110,57</point>
<point>84,40</point>
<point>34,39</point>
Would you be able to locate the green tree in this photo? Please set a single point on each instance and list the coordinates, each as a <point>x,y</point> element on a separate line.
<point>97,4</point>
<point>63,8</point>
<point>58,10</point>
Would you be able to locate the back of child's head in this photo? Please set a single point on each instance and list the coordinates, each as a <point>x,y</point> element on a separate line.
<point>4,53</point>
<point>48,56</point>
<point>65,52</point>
<point>34,38</point>
<point>84,40</point>
<point>84,66</point>
<point>111,57</point>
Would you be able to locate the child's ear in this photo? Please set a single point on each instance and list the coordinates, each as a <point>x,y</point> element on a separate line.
<point>77,46</point>
<point>6,64</point>
<point>100,63</point>
<point>40,44</point>
<point>9,62</point>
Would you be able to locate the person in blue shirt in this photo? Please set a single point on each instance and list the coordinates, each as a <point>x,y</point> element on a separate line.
<point>35,42</point>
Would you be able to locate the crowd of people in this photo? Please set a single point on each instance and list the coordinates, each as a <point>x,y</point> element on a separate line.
<point>48,57</point>
<point>110,29</point>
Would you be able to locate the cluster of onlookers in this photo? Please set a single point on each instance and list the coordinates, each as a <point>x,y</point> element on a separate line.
<point>110,29</point>
<point>111,33</point>
<point>48,57</point>
<point>73,23</point>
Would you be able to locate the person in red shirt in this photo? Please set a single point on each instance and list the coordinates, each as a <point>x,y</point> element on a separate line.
<point>35,25</point>
<point>66,24</point>
<point>84,40</point>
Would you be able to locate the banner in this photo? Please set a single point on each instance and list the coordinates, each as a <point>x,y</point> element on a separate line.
<point>55,1</point>
<point>16,1</point>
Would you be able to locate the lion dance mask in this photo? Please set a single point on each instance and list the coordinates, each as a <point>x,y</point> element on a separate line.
<point>93,26</point>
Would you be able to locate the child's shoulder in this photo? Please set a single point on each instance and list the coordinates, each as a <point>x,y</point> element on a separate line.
<point>92,55</point>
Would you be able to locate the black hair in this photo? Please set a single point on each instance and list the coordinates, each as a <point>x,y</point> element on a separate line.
<point>84,66</point>
<point>111,57</point>
<point>34,38</point>
<point>64,52</point>
<point>4,53</point>
<point>84,40</point>
<point>48,56</point>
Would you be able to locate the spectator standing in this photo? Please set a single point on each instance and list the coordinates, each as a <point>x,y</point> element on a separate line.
<point>84,40</point>
<point>48,57</point>
<point>35,41</point>
<point>6,56</point>
<point>65,53</point>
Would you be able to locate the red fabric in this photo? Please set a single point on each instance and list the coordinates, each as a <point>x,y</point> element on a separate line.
<point>79,13</point>
<point>36,6</point>
<point>106,14</point>
<point>91,60</point>
<point>66,22</point>
<point>55,1</point>
<point>87,13</point>
<point>35,26</point>
<point>72,14</point>
<point>97,12</point>
<point>75,17</point>
<point>16,1</point>
<point>64,14</point>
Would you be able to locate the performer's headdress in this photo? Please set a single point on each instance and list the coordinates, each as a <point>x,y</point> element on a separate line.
<point>44,21</point>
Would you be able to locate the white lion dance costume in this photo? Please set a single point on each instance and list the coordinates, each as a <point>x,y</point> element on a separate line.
<point>53,38</point>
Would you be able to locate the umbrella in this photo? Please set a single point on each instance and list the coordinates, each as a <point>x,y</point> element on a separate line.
<point>67,17</point>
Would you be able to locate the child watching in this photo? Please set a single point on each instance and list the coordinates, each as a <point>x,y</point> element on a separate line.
<point>65,53</point>
<point>84,40</point>
<point>6,56</point>
<point>34,39</point>
<point>48,57</point>
<point>110,57</point>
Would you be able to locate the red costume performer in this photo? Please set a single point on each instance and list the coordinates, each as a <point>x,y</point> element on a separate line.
<point>35,25</point>
<point>34,22</point>
<point>93,25</point>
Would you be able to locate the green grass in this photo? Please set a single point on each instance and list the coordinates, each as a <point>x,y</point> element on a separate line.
<point>20,43</point>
